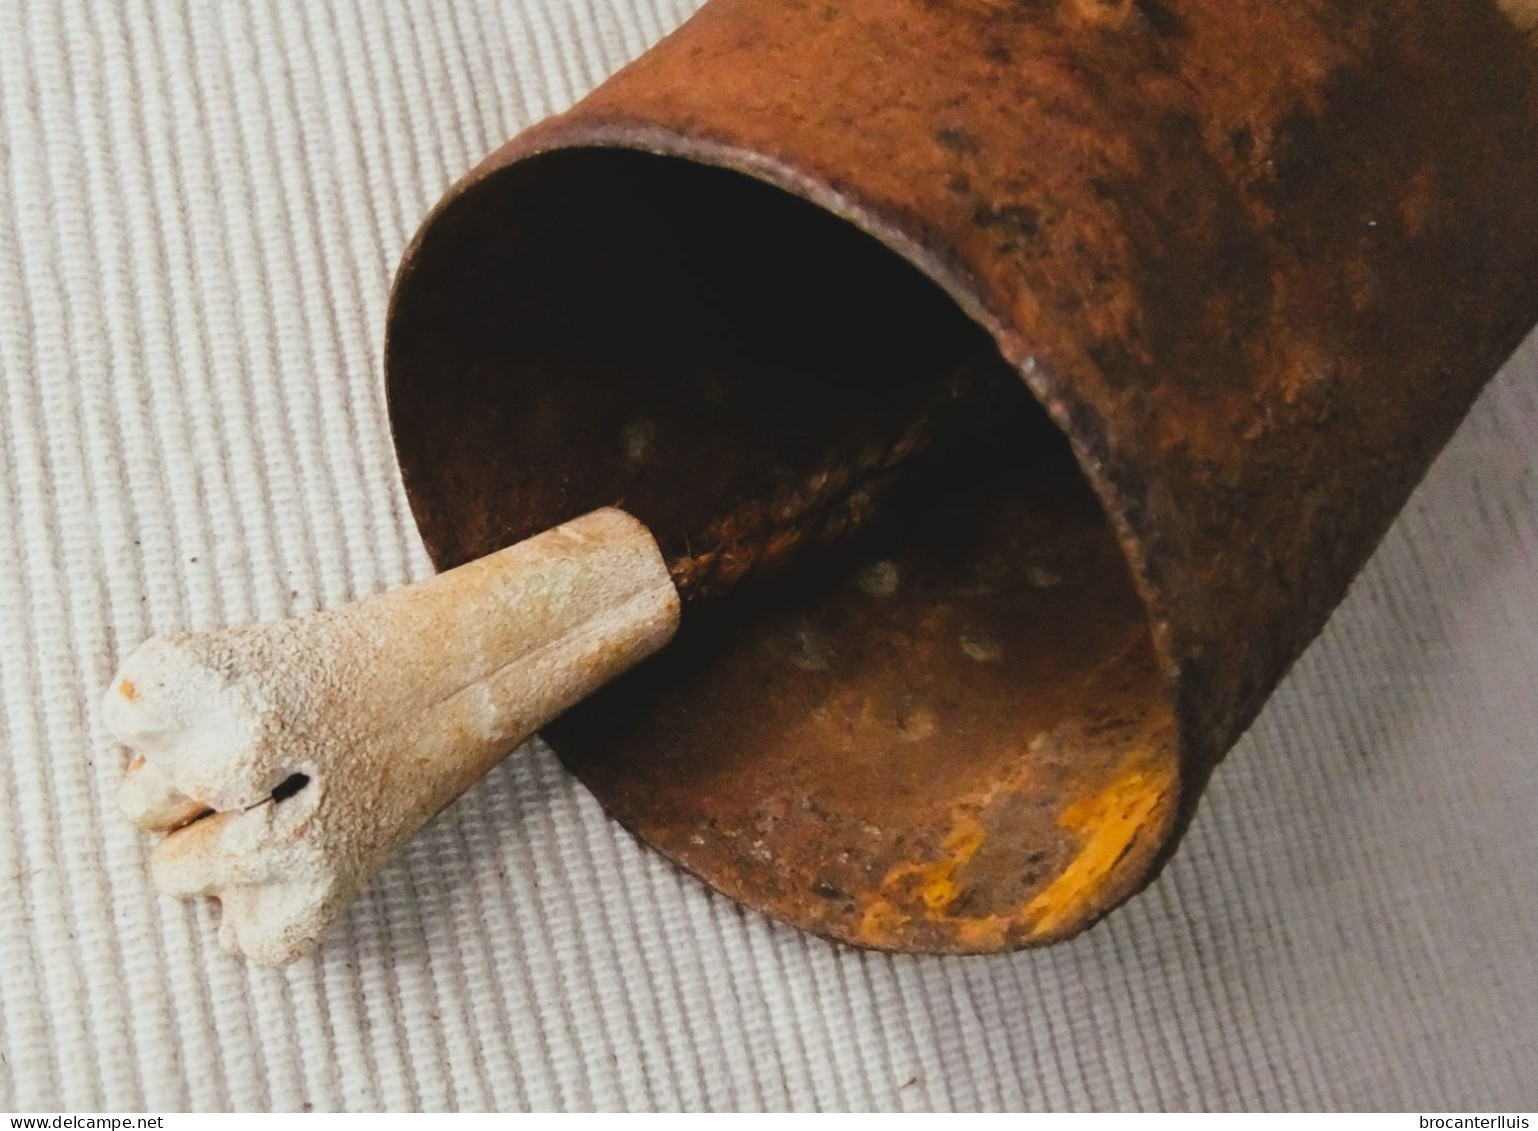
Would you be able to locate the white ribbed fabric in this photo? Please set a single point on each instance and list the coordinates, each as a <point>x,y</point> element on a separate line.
<point>201,206</point>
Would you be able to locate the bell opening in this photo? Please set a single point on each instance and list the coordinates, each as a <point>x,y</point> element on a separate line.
<point>914,703</point>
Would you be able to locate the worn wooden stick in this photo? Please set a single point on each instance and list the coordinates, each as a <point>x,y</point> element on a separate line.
<point>288,760</point>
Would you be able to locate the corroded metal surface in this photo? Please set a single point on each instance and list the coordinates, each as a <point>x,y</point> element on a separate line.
<point>945,739</point>
<point>1255,260</point>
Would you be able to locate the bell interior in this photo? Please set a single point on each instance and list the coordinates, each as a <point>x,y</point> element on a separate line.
<point>947,732</point>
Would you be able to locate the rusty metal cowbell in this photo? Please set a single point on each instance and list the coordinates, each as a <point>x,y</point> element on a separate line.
<point>1253,262</point>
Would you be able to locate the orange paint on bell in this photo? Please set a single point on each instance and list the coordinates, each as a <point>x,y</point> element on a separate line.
<point>1139,802</point>
<point>1110,822</point>
<point>937,890</point>
<point>934,880</point>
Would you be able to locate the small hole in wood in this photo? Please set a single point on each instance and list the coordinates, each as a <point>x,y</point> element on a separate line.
<point>290,786</point>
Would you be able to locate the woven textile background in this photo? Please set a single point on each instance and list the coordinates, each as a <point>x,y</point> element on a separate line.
<point>201,206</point>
